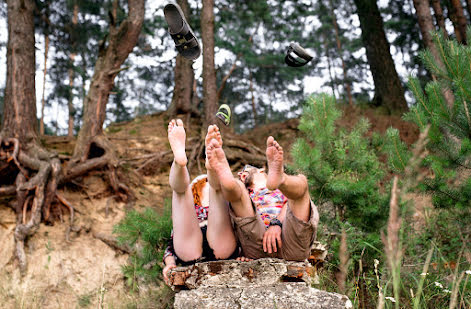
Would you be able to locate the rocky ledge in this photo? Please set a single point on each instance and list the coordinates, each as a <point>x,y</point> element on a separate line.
<point>263,283</point>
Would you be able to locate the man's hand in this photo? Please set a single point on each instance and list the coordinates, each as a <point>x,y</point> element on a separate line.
<point>272,239</point>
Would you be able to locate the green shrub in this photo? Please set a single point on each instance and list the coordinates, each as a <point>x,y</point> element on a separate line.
<point>342,166</point>
<point>148,233</point>
<point>449,158</point>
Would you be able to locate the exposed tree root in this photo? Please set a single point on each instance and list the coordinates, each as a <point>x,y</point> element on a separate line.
<point>39,174</point>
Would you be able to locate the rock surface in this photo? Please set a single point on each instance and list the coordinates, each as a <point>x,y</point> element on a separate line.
<point>263,283</point>
<point>232,273</point>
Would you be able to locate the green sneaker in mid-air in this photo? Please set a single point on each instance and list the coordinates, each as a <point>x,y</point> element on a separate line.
<point>224,114</point>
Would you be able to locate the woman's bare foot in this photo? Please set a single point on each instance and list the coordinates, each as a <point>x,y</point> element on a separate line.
<point>213,133</point>
<point>218,163</point>
<point>176,137</point>
<point>275,164</point>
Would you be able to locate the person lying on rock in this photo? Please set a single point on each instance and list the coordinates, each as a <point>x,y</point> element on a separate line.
<point>202,230</point>
<point>273,214</point>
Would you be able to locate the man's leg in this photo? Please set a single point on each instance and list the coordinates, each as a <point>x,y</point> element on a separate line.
<point>187,236</point>
<point>220,234</point>
<point>300,225</point>
<point>295,188</point>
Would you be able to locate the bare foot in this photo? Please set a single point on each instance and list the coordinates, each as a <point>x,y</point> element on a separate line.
<point>176,137</point>
<point>218,163</point>
<point>213,133</point>
<point>275,164</point>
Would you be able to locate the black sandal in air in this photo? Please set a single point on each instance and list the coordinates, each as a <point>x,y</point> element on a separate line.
<point>185,40</point>
<point>296,56</point>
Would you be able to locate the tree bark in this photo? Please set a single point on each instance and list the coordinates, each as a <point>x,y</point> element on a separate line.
<point>456,14</point>
<point>70,103</point>
<point>43,101</point>
<point>422,8</point>
<point>459,21</point>
<point>184,76</point>
<point>254,107</point>
<point>20,120</point>
<point>389,92</point>
<point>468,8</point>
<point>209,70</point>
<point>439,17</point>
<point>113,51</point>
<point>348,88</point>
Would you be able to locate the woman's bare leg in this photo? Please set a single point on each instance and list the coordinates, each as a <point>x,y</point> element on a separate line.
<point>233,190</point>
<point>187,236</point>
<point>220,234</point>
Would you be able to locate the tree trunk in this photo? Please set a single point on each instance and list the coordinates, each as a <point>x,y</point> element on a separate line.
<point>70,103</point>
<point>254,107</point>
<point>458,19</point>
<point>424,17</point>
<point>468,8</point>
<point>439,17</point>
<point>329,66</point>
<point>36,169</point>
<point>348,88</point>
<point>112,54</point>
<point>389,92</point>
<point>20,120</point>
<point>43,101</point>
<point>184,76</point>
<point>209,70</point>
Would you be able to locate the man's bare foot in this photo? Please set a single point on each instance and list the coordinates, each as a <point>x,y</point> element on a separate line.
<point>275,164</point>
<point>218,163</point>
<point>176,137</point>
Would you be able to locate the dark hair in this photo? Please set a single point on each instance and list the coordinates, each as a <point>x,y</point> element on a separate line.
<point>249,179</point>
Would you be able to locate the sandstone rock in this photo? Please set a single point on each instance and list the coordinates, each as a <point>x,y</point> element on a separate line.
<point>279,295</point>
<point>232,273</point>
<point>262,283</point>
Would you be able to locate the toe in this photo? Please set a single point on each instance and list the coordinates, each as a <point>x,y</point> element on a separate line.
<point>179,122</point>
<point>270,141</point>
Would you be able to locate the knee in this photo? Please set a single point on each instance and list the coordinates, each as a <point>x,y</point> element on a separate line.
<point>189,254</point>
<point>303,182</point>
<point>224,251</point>
<point>223,254</point>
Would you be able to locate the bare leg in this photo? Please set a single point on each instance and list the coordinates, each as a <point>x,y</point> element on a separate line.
<point>220,234</point>
<point>187,236</point>
<point>232,189</point>
<point>295,188</point>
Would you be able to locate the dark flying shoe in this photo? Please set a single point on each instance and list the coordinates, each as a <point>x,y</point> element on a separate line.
<point>185,40</point>
<point>224,114</point>
<point>296,56</point>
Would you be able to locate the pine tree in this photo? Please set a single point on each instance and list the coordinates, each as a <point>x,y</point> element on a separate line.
<point>342,166</point>
<point>449,147</point>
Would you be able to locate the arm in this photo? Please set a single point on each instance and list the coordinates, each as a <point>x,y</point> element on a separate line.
<point>272,237</point>
<point>282,214</point>
<point>170,263</point>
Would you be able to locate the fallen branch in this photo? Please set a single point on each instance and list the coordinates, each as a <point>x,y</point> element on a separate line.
<point>112,242</point>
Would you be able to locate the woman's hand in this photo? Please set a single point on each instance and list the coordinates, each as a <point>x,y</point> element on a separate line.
<point>272,239</point>
<point>169,264</point>
<point>243,259</point>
